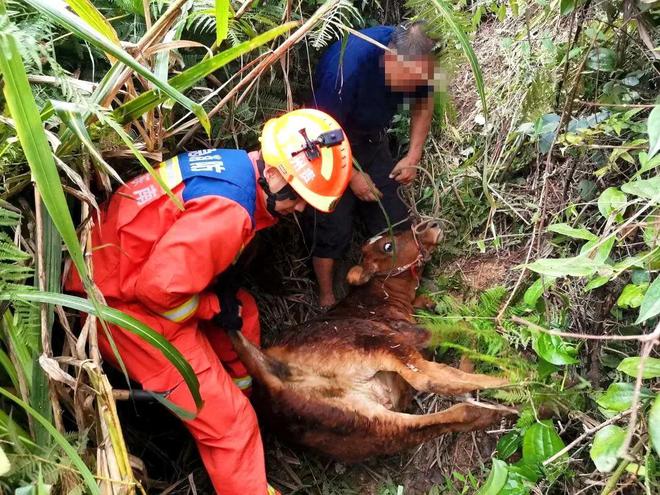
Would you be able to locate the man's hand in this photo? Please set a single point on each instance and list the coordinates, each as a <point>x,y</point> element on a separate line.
<point>405,172</point>
<point>363,187</point>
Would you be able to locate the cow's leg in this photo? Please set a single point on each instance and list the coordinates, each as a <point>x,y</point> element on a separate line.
<point>388,432</point>
<point>438,378</point>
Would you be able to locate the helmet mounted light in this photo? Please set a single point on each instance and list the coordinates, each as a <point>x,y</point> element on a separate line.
<point>324,140</point>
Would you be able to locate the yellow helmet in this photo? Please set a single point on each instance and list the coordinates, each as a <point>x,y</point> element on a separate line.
<point>311,151</point>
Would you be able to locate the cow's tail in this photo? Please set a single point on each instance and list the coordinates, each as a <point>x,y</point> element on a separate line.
<point>263,368</point>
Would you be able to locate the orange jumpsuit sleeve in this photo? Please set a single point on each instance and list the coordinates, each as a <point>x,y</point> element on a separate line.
<point>201,244</point>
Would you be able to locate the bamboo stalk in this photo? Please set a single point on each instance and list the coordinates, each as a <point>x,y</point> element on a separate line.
<point>115,453</point>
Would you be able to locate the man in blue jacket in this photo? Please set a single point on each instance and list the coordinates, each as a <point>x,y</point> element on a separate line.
<point>363,86</point>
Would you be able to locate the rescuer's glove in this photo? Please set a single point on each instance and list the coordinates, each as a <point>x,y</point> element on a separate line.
<point>226,287</point>
<point>229,317</point>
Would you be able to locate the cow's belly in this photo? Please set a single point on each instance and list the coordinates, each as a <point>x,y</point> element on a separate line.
<point>348,379</point>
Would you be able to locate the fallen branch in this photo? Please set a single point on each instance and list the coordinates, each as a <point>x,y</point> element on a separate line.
<point>587,432</point>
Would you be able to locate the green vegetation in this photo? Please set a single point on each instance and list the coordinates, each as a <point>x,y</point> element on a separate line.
<point>543,164</point>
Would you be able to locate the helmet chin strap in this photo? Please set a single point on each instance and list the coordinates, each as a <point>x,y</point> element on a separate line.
<point>287,192</point>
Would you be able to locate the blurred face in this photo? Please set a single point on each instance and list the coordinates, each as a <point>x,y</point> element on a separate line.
<point>276,183</point>
<point>405,74</point>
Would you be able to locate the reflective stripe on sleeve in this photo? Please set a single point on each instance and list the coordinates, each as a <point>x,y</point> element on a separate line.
<point>170,172</point>
<point>272,491</point>
<point>183,311</point>
<point>243,382</point>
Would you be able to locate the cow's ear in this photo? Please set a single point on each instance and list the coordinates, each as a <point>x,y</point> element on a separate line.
<point>358,275</point>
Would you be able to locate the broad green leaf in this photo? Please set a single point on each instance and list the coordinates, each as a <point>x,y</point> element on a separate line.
<point>631,296</point>
<point>577,266</point>
<point>601,59</point>
<point>636,469</point>
<point>84,471</point>
<point>124,321</point>
<point>630,366</point>
<point>55,11</point>
<point>640,277</point>
<point>150,99</point>
<point>632,261</point>
<point>654,424</point>
<point>554,349</point>
<point>646,163</point>
<point>610,200</point>
<point>647,188</point>
<point>566,6</point>
<point>517,482</point>
<point>618,397</point>
<point>650,307</point>
<point>496,479</point>
<point>653,127</point>
<point>221,20</point>
<point>508,444</point>
<point>596,282</point>
<point>536,290</point>
<point>567,230</point>
<point>598,254</point>
<point>5,465</point>
<point>430,10</point>
<point>541,442</point>
<point>605,447</point>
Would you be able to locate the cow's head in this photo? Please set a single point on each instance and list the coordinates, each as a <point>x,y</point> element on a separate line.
<point>388,256</point>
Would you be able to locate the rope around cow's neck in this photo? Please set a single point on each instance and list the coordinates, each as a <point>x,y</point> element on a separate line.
<point>422,257</point>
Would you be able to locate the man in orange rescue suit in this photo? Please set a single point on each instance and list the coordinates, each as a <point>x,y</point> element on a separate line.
<point>158,264</point>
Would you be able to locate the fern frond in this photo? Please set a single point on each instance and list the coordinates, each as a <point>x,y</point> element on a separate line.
<point>330,28</point>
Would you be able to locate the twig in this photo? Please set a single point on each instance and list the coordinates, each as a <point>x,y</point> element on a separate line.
<point>573,40</point>
<point>611,483</point>
<point>568,109</point>
<point>569,335</point>
<point>587,432</point>
<point>247,5</point>
<point>647,347</point>
<point>622,105</point>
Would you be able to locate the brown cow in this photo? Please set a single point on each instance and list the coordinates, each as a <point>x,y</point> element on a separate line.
<point>339,382</point>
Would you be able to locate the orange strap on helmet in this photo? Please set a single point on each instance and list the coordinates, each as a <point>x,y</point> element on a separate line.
<point>311,151</point>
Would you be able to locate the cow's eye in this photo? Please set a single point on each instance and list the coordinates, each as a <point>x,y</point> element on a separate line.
<point>388,247</point>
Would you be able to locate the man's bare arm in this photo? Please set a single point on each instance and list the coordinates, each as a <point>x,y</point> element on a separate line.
<point>420,125</point>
